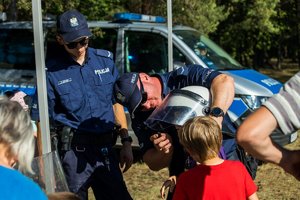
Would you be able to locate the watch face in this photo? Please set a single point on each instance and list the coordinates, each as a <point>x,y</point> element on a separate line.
<point>217,112</point>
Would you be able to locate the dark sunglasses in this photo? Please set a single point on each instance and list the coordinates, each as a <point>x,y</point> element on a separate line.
<point>73,45</point>
<point>144,94</point>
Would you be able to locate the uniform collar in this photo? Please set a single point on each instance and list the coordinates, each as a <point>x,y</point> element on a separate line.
<point>87,55</point>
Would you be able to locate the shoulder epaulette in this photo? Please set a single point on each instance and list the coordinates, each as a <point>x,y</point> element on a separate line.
<point>104,53</point>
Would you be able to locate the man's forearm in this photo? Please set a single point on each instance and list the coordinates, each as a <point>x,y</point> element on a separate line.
<point>264,150</point>
<point>120,116</point>
<point>222,91</point>
<point>254,136</point>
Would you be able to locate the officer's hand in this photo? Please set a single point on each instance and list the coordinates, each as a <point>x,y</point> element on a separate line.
<point>126,156</point>
<point>162,142</point>
<point>168,184</point>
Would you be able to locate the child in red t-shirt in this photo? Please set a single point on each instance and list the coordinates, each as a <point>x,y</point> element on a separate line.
<point>213,177</point>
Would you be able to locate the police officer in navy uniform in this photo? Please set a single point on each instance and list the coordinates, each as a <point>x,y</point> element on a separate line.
<point>142,93</point>
<point>80,94</point>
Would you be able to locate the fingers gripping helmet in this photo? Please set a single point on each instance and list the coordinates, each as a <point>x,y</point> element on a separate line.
<point>179,106</point>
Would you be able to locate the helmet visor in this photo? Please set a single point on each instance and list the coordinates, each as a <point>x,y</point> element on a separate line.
<point>178,107</point>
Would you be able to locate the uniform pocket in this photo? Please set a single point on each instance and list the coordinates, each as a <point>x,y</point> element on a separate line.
<point>104,85</point>
<point>102,79</point>
<point>71,96</point>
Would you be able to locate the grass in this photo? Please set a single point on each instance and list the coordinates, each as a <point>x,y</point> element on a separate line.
<point>282,75</point>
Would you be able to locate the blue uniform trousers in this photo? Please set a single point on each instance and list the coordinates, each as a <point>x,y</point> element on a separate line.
<point>85,166</point>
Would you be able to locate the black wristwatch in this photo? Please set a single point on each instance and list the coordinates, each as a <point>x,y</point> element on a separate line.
<point>216,112</point>
<point>126,139</point>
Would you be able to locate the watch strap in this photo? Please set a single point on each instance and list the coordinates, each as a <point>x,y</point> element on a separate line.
<point>126,139</point>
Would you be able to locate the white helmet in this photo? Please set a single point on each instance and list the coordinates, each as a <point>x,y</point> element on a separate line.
<point>179,106</point>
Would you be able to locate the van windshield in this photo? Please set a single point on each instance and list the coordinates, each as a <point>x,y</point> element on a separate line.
<point>208,51</point>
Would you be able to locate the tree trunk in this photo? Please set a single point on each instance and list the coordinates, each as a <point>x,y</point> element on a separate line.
<point>12,11</point>
<point>279,57</point>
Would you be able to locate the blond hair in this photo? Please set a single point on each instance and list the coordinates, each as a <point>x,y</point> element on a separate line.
<point>16,132</point>
<point>202,136</point>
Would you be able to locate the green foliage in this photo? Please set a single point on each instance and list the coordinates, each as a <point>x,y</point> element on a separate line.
<point>148,7</point>
<point>24,6</point>
<point>93,9</point>
<point>56,7</point>
<point>100,10</point>
<point>250,30</point>
<point>203,15</point>
<point>253,25</point>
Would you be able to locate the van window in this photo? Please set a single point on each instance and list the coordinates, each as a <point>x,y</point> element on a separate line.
<point>17,49</point>
<point>148,52</point>
<point>180,58</point>
<point>145,52</point>
<point>208,51</point>
<point>104,39</point>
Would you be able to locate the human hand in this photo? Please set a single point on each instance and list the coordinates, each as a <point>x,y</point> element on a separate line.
<point>168,184</point>
<point>162,142</point>
<point>126,156</point>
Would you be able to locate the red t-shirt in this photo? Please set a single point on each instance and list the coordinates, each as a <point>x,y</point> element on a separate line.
<point>228,180</point>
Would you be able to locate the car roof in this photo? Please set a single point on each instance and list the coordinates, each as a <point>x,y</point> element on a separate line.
<point>24,25</point>
<point>102,24</point>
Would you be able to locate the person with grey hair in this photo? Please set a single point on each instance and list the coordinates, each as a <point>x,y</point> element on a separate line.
<point>16,150</point>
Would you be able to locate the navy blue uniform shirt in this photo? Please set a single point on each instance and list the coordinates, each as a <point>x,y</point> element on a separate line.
<point>182,77</point>
<point>34,112</point>
<point>81,96</point>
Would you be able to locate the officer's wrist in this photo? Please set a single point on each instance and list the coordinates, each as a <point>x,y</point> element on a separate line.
<point>126,140</point>
<point>123,133</point>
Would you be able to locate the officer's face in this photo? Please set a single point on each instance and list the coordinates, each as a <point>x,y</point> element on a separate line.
<point>151,95</point>
<point>82,42</point>
<point>77,48</point>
